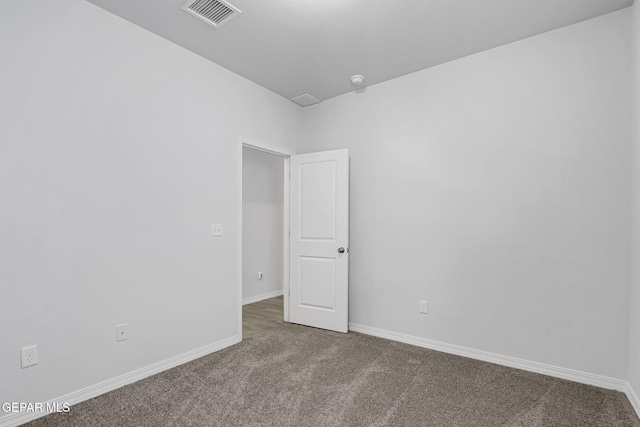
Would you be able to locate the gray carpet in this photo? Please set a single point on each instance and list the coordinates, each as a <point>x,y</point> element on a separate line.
<point>297,376</point>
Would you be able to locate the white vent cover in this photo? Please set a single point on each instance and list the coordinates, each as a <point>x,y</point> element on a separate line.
<point>213,12</point>
<point>305,100</point>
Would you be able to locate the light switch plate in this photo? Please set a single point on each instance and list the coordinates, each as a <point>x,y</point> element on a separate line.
<point>216,229</point>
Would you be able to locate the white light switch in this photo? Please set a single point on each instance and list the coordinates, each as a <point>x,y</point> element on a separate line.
<point>216,229</point>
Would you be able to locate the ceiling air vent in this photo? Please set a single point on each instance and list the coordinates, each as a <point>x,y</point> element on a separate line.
<point>305,100</point>
<point>213,12</point>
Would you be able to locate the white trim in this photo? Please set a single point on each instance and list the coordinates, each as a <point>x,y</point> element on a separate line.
<point>257,145</point>
<point>16,419</point>
<point>633,398</point>
<point>239,254</point>
<point>286,155</point>
<point>499,359</point>
<point>256,298</point>
<point>286,234</point>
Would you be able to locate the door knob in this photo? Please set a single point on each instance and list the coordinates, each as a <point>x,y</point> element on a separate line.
<point>340,250</point>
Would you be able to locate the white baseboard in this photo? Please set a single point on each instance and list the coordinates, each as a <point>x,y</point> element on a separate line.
<point>512,362</point>
<point>256,298</point>
<point>16,419</point>
<point>633,398</point>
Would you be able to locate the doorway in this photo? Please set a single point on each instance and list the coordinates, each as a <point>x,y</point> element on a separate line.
<point>263,241</point>
<point>315,244</point>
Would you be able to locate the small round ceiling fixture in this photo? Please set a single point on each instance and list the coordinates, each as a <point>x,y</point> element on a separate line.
<point>357,80</point>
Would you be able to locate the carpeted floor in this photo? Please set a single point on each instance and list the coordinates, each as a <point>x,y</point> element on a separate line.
<point>292,375</point>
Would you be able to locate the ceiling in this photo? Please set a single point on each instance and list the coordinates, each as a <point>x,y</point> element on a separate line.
<point>293,47</point>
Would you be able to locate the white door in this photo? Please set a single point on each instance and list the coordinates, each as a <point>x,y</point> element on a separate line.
<point>319,240</point>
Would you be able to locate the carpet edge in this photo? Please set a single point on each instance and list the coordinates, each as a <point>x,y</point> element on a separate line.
<point>499,359</point>
<point>75,397</point>
<point>633,397</point>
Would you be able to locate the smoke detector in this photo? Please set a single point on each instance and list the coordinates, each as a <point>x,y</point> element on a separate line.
<point>357,80</point>
<point>212,12</point>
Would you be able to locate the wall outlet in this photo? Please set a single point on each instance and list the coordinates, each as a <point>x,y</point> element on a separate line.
<point>216,229</point>
<point>424,307</point>
<point>29,356</point>
<point>121,332</point>
<point>259,275</point>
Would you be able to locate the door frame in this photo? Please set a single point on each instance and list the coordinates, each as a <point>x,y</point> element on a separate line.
<point>286,155</point>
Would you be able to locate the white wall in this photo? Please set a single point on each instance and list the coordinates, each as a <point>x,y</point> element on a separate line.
<point>262,226</point>
<point>634,333</point>
<point>118,150</point>
<point>497,188</point>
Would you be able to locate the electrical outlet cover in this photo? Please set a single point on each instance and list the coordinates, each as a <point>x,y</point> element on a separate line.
<point>29,356</point>
<point>121,332</point>
<point>424,307</point>
<point>216,230</point>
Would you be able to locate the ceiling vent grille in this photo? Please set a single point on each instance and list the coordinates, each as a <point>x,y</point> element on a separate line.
<point>213,12</point>
<point>305,100</point>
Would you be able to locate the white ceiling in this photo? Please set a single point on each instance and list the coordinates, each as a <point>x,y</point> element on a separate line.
<point>293,47</point>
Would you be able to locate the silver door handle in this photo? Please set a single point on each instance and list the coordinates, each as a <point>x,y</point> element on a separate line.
<point>340,250</point>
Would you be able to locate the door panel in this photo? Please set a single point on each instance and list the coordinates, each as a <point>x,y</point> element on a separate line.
<point>319,219</point>
<point>319,277</point>
<point>318,201</point>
